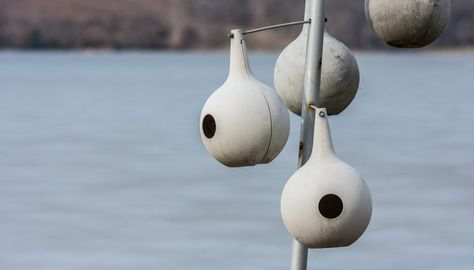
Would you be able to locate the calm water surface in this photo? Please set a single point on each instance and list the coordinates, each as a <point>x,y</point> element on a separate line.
<point>102,167</point>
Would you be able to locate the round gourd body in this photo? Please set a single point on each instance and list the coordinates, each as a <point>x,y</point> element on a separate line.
<point>325,203</point>
<point>339,75</point>
<point>244,122</point>
<point>408,23</point>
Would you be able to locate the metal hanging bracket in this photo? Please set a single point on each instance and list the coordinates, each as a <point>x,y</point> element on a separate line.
<point>276,26</point>
<point>247,32</point>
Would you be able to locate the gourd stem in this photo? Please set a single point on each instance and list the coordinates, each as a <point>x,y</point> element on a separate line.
<point>322,142</point>
<point>239,65</point>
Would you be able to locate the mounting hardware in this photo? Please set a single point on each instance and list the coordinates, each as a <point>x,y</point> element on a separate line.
<point>275,26</point>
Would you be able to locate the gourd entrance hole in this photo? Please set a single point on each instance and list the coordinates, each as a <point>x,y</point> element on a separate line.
<point>330,206</point>
<point>209,126</point>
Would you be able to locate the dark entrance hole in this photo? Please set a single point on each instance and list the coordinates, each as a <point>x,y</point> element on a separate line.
<point>209,126</point>
<point>330,206</point>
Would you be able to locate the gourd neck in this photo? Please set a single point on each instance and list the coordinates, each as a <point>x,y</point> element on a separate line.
<point>239,63</point>
<point>322,143</point>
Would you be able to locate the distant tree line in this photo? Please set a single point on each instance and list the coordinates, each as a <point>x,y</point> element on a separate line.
<point>189,24</point>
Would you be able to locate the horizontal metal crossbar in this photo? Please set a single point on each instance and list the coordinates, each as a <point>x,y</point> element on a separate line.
<point>275,26</point>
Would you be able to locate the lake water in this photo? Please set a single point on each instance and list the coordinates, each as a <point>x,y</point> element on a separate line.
<point>102,166</point>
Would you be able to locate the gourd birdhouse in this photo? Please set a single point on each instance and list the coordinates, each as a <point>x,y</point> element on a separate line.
<point>339,74</point>
<point>408,23</point>
<point>244,122</point>
<point>325,203</point>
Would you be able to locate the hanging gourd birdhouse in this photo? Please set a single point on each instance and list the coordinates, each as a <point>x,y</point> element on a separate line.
<point>244,122</point>
<point>339,74</point>
<point>325,203</point>
<point>408,23</point>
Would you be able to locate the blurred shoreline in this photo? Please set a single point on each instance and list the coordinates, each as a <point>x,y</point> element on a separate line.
<point>387,50</point>
<point>200,25</point>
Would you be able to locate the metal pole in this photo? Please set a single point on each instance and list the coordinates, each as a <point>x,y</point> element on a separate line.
<point>312,83</point>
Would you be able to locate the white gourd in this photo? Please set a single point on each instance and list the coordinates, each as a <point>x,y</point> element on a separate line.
<point>408,23</point>
<point>325,203</point>
<point>244,122</point>
<point>339,74</point>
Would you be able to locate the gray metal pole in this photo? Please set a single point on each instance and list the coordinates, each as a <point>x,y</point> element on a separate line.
<point>312,83</point>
